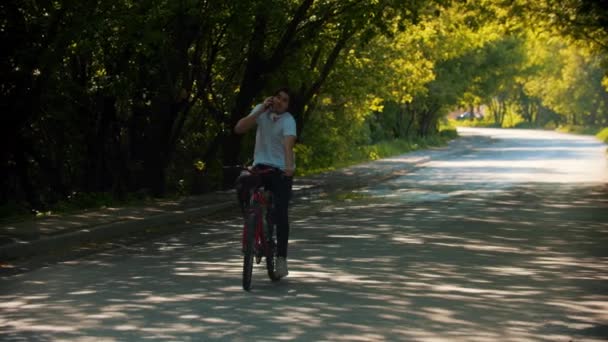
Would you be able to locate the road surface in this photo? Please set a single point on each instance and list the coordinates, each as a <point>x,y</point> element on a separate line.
<point>508,242</point>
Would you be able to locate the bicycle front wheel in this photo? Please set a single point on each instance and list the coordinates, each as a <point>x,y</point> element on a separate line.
<point>249,234</point>
<point>270,260</point>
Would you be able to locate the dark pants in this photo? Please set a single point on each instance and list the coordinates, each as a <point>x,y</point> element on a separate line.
<point>280,186</point>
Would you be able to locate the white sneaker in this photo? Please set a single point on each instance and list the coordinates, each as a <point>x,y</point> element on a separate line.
<point>281,267</point>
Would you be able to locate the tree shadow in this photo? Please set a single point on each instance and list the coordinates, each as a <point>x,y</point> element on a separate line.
<point>527,264</point>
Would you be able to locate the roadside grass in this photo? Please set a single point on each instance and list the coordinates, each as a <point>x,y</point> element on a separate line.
<point>13,211</point>
<point>603,135</point>
<point>485,122</point>
<point>600,132</point>
<point>78,202</point>
<point>383,149</point>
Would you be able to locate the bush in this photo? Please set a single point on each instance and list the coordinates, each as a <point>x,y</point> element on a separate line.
<point>449,133</point>
<point>14,210</point>
<point>486,122</point>
<point>550,125</point>
<point>83,200</point>
<point>603,135</point>
<point>578,129</point>
<point>512,120</point>
<point>525,125</point>
<point>383,149</point>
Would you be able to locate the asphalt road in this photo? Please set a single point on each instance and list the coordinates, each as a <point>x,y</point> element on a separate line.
<point>508,242</point>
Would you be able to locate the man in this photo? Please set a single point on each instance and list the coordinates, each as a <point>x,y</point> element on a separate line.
<point>274,142</point>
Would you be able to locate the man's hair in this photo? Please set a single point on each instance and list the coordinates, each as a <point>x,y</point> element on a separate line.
<point>284,90</point>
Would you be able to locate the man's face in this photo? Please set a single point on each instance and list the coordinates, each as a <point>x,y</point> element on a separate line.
<point>280,102</point>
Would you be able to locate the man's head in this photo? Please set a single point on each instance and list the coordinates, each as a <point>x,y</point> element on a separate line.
<point>280,100</point>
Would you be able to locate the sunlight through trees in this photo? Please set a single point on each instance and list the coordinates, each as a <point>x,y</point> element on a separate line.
<point>140,97</point>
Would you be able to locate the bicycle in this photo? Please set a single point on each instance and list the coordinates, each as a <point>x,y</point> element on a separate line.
<point>259,238</point>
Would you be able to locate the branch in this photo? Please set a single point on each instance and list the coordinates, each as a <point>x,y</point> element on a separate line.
<point>289,34</point>
<point>329,63</point>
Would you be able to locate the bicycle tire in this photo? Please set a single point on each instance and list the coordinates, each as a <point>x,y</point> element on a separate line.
<point>270,260</point>
<point>248,255</point>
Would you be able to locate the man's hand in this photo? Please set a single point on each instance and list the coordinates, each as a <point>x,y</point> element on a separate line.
<point>267,104</point>
<point>288,143</point>
<point>248,122</point>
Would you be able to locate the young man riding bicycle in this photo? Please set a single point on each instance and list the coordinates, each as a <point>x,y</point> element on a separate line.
<point>274,142</point>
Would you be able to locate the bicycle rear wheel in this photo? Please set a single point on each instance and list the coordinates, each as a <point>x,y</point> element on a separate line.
<point>249,252</point>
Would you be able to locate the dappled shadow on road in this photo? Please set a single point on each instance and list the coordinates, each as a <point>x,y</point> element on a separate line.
<point>530,263</point>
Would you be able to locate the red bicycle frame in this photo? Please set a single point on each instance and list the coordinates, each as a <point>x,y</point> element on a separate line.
<point>260,241</point>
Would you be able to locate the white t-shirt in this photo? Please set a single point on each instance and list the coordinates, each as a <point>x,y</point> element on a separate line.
<point>270,133</point>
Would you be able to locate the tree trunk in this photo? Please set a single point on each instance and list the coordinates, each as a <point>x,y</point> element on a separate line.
<point>400,117</point>
<point>250,86</point>
<point>410,121</point>
<point>472,111</point>
<point>21,164</point>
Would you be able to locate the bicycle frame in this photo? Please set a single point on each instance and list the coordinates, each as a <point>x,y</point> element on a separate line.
<point>259,204</point>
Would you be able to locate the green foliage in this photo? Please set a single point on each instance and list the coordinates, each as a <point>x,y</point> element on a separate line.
<point>129,97</point>
<point>486,122</point>
<point>585,130</point>
<point>603,135</point>
<point>448,133</point>
<point>85,200</point>
<point>382,149</point>
<point>576,92</point>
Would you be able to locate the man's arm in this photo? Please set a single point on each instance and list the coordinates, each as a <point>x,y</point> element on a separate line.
<point>289,142</point>
<point>248,122</point>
